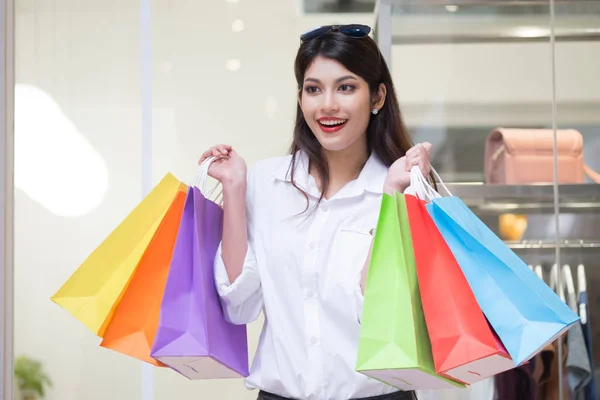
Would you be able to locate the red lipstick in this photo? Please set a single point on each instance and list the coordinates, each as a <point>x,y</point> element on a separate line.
<point>331,124</point>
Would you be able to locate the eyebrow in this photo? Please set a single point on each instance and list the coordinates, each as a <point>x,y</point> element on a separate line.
<point>340,79</point>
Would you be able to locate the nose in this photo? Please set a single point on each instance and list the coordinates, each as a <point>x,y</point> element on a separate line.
<point>330,103</point>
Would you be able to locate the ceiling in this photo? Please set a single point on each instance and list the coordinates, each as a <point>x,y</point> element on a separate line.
<point>339,6</point>
<point>467,7</point>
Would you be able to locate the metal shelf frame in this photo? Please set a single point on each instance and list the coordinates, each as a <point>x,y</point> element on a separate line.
<point>495,3</point>
<point>538,32</point>
<point>573,198</point>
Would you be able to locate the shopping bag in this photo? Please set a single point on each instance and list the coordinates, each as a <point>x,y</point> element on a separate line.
<point>464,346</point>
<point>524,312</point>
<point>93,291</point>
<point>394,346</point>
<point>193,337</point>
<point>133,327</point>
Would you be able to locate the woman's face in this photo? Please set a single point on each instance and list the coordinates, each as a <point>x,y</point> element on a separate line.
<point>336,104</point>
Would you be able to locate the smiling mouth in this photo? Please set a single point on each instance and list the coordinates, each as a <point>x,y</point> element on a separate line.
<point>331,126</point>
<point>332,123</point>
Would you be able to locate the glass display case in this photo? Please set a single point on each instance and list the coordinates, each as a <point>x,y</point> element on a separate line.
<point>465,68</point>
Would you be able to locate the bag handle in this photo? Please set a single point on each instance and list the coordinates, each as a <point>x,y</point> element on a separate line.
<point>420,187</point>
<point>593,175</point>
<point>202,176</point>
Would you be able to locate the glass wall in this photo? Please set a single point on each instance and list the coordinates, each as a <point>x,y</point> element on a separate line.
<point>577,102</point>
<point>78,173</point>
<point>110,96</point>
<point>465,69</point>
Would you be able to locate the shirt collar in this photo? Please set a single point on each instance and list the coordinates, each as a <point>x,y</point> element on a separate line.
<point>371,178</point>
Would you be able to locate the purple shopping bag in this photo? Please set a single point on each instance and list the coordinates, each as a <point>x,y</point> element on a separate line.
<point>193,337</point>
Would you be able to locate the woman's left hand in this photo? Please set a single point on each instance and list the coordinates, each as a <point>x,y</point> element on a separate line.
<point>398,177</point>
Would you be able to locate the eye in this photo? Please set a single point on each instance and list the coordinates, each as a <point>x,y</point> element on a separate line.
<point>347,88</point>
<point>311,89</point>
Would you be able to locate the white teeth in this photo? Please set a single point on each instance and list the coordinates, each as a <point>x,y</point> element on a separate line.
<point>333,123</point>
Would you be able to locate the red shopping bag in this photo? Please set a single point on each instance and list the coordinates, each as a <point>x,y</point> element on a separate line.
<point>464,346</point>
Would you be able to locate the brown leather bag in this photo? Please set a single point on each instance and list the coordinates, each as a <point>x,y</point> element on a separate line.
<point>520,156</point>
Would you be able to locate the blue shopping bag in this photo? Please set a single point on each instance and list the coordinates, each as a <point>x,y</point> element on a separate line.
<point>525,313</point>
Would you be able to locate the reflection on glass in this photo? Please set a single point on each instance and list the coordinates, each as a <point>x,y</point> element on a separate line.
<point>577,105</point>
<point>54,163</point>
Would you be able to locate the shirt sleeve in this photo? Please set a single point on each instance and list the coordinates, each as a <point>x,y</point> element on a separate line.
<point>242,300</point>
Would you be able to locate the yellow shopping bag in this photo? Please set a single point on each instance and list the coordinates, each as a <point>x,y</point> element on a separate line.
<point>92,293</point>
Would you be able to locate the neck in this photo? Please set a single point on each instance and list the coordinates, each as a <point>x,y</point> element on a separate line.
<point>344,166</point>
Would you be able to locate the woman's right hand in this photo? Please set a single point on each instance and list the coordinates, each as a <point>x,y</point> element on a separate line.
<point>229,168</point>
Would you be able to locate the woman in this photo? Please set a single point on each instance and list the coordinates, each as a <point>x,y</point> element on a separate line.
<point>297,230</point>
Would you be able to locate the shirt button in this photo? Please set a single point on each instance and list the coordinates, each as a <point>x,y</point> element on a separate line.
<point>324,208</point>
<point>312,245</point>
<point>313,340</point>
<point>310,293</point>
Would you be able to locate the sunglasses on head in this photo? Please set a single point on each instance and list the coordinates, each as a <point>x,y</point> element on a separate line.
<point>352,30</point>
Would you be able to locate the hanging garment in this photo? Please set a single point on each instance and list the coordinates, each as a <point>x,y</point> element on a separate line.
<point>517,383</point>
<point>579,372</point>
<point>591,389</point>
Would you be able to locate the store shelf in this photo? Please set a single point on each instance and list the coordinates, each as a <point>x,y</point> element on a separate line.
<point>573,198</point>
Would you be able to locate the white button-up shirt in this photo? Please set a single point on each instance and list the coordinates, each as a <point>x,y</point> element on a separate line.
<point>304,271</point>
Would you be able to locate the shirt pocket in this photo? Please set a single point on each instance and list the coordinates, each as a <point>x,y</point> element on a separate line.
<point>348,256</point>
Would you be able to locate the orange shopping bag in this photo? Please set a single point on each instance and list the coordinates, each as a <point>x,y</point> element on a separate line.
<point>135,321</point>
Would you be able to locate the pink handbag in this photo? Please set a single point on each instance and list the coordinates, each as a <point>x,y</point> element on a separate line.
<point>521,156</point>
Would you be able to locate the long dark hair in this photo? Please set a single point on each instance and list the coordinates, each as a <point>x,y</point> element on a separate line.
<point>387,135</point>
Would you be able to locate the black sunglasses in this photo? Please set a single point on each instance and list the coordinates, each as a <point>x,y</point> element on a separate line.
<point>352,30</point>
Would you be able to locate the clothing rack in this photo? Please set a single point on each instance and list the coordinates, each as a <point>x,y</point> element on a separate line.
<point>551,244</point>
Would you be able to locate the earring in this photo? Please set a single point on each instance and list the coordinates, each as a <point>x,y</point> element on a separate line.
<point>375,111</point>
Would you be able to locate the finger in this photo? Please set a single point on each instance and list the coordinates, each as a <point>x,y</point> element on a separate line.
<point>427,146</point>
<point>216,152</point>
<point>424,167</point>
<point>204,156</point>
<point>425,156</point>
<point>422,161</point>
<point>217,161</point>
<point>224,149</point>
<point>419,148</point>
<point>419,163</point>
<point>232,152</point>
<point>411,162</point>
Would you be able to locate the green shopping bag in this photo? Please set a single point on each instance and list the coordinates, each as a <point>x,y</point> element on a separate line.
<point>394,345</point>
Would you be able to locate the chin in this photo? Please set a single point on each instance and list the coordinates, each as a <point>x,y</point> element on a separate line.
<point>332,145</point>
